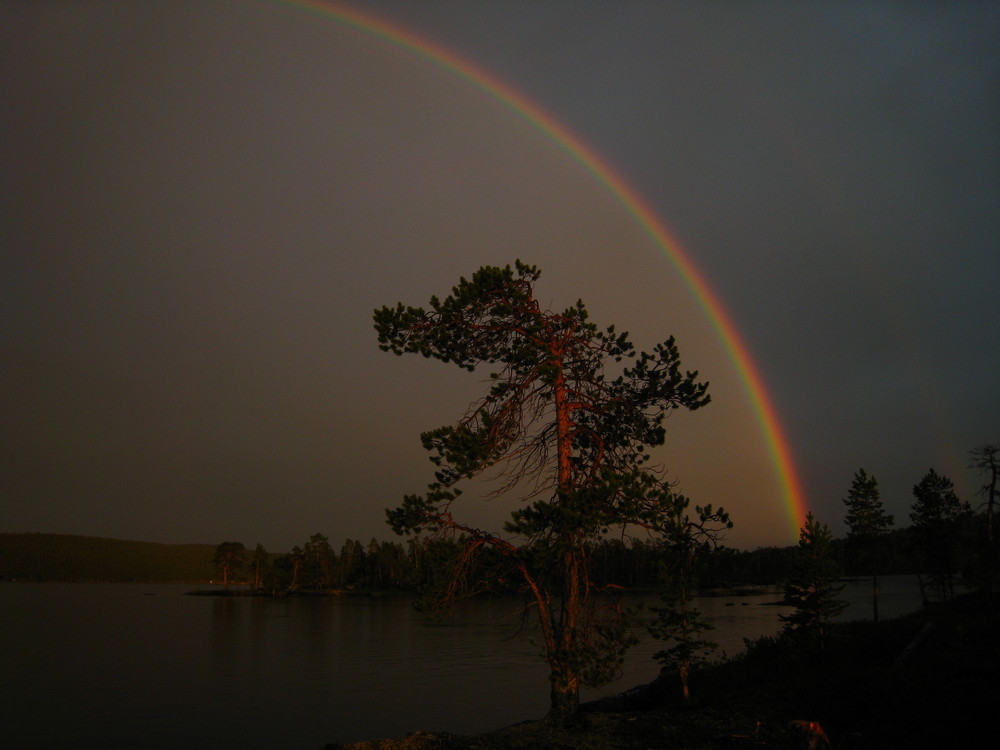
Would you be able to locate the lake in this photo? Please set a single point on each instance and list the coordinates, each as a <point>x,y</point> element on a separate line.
<point>144,666</point>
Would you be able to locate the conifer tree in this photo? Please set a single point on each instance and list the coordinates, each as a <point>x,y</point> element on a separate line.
<point>986,459</point>
<point>228,560</point>
<point>297,557</point>
<point>937,516</point>
<point>568,439</point>
<point>812,587</point>
<point>867,524</point>
<point>261,564</point>
<point>677,621</point>
<point>318,559</point>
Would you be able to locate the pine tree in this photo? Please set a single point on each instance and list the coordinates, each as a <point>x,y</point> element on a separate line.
<point>228,560</point>
<point>867,524</point>
<point>812,587</point>
<point>677,621</point>
<point>318,559</point>
<point>568,439</point>
<point>986,459</point>
<point>261,564</point>
<point>937,516</point>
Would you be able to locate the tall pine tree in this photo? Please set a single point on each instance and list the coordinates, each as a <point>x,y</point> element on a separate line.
<point>812,587</point>
<point>678,622</point>
<point>986,460</point>
<point>570,438</point>
<point>937,516</point>
<point>867,524</point>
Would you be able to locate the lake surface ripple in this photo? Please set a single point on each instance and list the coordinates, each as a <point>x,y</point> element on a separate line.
<point>144,666</point>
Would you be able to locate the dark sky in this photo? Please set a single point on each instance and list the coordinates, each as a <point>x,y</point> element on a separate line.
<point>202,202</point>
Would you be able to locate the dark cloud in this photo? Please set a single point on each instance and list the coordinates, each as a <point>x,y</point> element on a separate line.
<point>200,204</point>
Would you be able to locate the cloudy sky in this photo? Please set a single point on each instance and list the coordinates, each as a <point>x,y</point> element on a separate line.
<point>202,202</point>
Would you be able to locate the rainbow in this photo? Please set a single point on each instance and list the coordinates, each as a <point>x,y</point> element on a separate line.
<point>634,204</point>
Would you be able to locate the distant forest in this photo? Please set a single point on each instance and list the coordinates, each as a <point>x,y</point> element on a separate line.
<point>381,565</point>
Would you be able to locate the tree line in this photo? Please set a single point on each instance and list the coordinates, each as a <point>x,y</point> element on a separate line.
<point>630,563</point>
<point>419,564</point>
<point>948,540</point>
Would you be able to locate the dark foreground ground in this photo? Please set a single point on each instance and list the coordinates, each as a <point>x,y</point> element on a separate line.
<point>929,680</point>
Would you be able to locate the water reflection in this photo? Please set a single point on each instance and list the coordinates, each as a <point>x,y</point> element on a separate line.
<point>112,666</point>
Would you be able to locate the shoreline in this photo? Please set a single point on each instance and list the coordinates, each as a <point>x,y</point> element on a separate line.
<point>927,679</point>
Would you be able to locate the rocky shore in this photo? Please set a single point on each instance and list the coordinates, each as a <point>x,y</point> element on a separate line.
<point>928,680</point>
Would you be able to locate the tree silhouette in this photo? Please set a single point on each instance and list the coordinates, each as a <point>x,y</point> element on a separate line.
<point>317,562</point>
<point>568,439</point>
<point>986,459</point>
<point>351,563</point>
<point>937,516</point>
<point>812,587</point>
<point>677,621</point>
<point>261,564</point>
<point>867,524</point>
<point>228,560</point>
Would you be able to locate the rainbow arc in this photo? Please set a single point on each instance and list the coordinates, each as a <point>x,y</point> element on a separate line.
<point>561,136</point>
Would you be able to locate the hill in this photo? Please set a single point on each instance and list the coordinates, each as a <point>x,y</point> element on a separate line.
<point>61,557</point>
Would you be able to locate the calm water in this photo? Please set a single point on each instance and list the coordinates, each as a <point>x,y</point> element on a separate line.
<point>142,666</point>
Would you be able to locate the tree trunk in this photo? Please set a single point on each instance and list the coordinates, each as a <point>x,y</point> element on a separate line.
<point>565,681</point>
<point>684,670</point>
<point>990,497</point>
<point>875,597</point>
<point>990,539</point>
<point>564,697</point>
<point>564,426</point>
